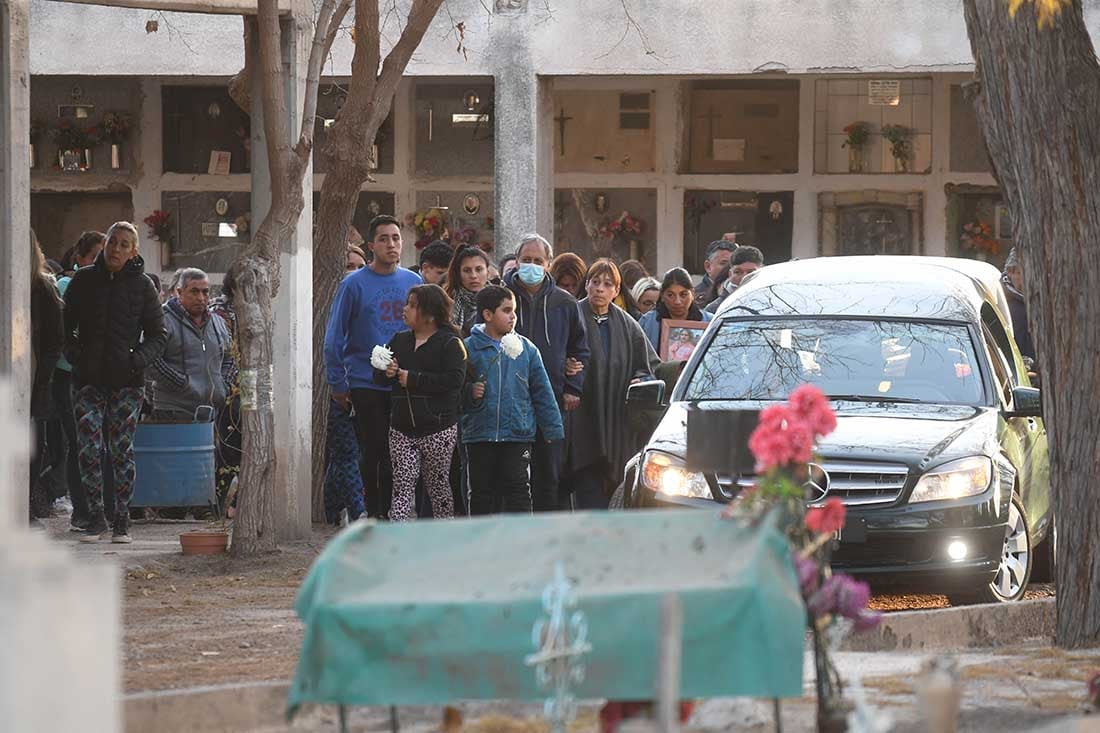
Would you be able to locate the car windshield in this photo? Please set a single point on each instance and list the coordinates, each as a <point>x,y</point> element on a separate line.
<point>865,360</point>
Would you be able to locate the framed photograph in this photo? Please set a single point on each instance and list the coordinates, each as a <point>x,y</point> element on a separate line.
<point>679,338</point>
<point>471,204</point>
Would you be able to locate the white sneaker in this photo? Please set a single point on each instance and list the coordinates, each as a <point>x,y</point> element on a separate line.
<point>343,518</point>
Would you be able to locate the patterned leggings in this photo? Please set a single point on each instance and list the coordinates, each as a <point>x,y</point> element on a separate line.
<point>430,456</point>
<point>109,415</point>
<point>343,482</point>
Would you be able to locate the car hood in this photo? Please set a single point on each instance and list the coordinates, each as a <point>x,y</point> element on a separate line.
<point>920,436</point>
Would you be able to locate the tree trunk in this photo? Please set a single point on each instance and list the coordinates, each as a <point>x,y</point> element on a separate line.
<point>347,154</point>
<point>1038,103</point>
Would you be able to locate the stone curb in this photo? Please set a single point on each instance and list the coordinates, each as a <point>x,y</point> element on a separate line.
<point>236,707</point>
<point>963,627</point>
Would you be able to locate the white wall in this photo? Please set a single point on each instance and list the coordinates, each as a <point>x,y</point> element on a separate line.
<point>573,37</point>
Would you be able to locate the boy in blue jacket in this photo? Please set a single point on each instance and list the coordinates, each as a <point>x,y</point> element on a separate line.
<point>507,396</point>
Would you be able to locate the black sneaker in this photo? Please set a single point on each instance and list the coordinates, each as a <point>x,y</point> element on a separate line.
<point>121,534</point>
<point>79,524</point>
<point>96,530</point>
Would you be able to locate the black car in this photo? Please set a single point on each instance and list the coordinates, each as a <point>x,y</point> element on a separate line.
<point>940,453</point>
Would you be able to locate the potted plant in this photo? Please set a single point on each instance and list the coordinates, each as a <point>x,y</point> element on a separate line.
<point>74,145</point>
<point>858,133</point>
<point>901,145</point>
<point>214,538</point>
<point>115,129</point>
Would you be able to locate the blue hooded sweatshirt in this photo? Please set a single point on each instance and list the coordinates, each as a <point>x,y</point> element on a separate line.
<point>365,313</point>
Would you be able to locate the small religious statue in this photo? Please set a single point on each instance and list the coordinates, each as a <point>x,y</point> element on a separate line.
<point>601,203</point>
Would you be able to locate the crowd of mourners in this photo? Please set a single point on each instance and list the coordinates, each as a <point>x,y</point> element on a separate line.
<point>459,386</point>
<point>468,386</point>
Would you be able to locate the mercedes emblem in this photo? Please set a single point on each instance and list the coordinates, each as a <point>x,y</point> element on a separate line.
<point>817,485</point>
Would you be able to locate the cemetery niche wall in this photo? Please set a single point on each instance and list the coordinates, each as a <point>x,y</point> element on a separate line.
<point>979,224</point>
<point>619,223</point>
<point>330,99</point>
<point>968,152</point>
<point>205,229</point>
<point>873,125</point>
<point>598,131</point>
<point>87,126</point>
<point>871,222</point>
<point>760,218</point>
<point>204,131</point>
<point>58,219</point>
<point>454,128</point>
<point>460,218</point>
<point>748,126</point>
<point>370,205</point>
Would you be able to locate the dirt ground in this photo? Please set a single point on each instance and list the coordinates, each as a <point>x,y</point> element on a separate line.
<point>196,621</point>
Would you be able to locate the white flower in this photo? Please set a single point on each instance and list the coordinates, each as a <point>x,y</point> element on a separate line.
<point>380,358</point>
<point>511,344</point>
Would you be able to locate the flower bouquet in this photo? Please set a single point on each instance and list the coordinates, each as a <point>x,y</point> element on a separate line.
<point>978,236</point>
<point>782,445</point>
<point>857,134</point>
<point>74,145</point>
<point>160,226</point>
<point>901,145</point>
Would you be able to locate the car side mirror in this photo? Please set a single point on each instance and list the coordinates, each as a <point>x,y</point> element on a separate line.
<point>648,395</point>
<point>1026,402</point>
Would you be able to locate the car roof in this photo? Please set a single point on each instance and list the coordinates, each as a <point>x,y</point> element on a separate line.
<point>937,288</point>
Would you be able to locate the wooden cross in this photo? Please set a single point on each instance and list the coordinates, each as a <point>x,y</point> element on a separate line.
<point>710,117</point>
<point>561,119</point>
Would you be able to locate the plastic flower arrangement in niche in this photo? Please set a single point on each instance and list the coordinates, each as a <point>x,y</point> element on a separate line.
<point>115,127</point>
<point>160,226</point>
<point>783,446</point>
<point>625,224</point>
<point>858,134</point>
<point>430,225</point>
<point>978,236</point>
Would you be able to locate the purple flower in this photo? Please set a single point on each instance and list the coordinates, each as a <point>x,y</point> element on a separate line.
<point>842,595</point>
<point>867,620</point>
<point>807,571</point>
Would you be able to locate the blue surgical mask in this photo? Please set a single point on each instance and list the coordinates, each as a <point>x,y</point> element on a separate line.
<point>531,274</point>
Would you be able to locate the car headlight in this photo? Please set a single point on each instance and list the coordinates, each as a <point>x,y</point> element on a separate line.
<point>955,480</point>
<point>668,475</point>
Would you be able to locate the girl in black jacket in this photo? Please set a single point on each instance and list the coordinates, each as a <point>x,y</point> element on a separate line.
<point>427,373</point>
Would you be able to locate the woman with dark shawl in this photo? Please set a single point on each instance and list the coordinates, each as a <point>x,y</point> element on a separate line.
<point>601,441</point>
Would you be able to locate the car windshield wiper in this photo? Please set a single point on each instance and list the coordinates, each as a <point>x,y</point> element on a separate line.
<point>872,398</point>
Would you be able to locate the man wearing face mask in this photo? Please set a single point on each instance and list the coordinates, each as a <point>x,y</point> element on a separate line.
<point>549,317</point>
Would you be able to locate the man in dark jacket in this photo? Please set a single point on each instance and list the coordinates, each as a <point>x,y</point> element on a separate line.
<point>197,362</point>
<point>1013,281</point>
<point>46,343</point>
<point>718,256</point>
<point>548,316</point>
<point>114,329</point>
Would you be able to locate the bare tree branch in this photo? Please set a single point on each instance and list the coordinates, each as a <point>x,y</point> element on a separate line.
<point>336,25</point>
<point>317,53</point>
<point>631,24</point>
<point>420,17</point>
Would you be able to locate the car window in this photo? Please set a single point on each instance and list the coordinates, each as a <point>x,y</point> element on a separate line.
<point>1001,341</point>
<point>1001,371</point>
<point>766,359</point>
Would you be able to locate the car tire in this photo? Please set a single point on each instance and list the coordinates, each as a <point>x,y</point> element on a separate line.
<point>1014,572</point>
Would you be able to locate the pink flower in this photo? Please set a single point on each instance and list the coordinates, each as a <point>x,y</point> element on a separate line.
<point>842,595</point>
<point>811,405</point>
<point>780,439</point>
<point>826,519</point>
<point>807,571</point>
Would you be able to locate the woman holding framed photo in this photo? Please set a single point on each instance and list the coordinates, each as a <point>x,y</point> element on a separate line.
<point>676,303</point>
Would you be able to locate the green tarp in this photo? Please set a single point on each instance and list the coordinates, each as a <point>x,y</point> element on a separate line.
<point>432,612</point>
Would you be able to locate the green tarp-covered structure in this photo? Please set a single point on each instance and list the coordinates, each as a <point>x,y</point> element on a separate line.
<point>431,612</point>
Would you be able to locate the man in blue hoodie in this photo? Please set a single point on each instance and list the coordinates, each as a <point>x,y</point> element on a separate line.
<point>367,312</point>
<point>548,316</point>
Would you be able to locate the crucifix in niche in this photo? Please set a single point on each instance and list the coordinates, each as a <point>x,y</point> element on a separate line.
<point>710,117</point>
<point>562,120</point>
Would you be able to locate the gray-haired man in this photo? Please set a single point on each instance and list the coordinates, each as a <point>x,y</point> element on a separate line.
<point>197,359</point>
<point>718,256</point>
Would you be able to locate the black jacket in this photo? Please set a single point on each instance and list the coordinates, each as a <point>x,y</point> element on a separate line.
<point>551,320</point>
<point>437,370</point>
<point>46,343</point>
<point>1017,308</point>
<point>114,326</point>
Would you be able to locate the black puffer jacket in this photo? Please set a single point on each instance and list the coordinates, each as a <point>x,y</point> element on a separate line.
<point>106,315</point>
<point>437,370</point>
<point>46,343</point>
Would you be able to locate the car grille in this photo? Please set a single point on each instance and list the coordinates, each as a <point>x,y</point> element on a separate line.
<point>854,483</point>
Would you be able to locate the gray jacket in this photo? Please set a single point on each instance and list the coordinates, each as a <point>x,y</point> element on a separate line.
<point>194,368</point>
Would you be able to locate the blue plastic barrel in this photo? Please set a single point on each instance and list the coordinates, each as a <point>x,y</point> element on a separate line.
<point>175,464</point>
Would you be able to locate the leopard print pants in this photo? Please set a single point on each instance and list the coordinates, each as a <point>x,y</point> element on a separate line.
<point>429,456</point>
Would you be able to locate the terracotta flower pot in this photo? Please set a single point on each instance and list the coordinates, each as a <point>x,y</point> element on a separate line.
<point>204,542</point>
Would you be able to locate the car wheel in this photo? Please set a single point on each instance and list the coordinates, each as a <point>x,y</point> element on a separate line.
<point>1014,571</point>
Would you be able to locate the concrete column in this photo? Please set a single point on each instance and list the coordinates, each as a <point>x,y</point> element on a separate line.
<point>523,186</point>
<point>15,215</point>
<point>293,307</point>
